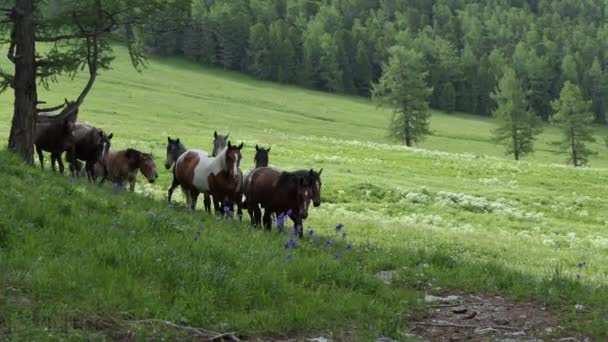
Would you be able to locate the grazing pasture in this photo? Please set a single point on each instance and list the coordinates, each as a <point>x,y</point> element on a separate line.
<point>451,215</point>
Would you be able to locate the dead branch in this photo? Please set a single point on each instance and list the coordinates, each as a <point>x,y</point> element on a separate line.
<point>211,335</point>
<point>52,109</point>
<point>11,50</point>
<point>469,326</point>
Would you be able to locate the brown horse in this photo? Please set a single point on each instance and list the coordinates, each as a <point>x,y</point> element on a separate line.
<point>219,143</point>
<point>282,193</point>
<point>122,167</point>
<point>91,145</point>
<point>197,172</point>
<point>54,137</point>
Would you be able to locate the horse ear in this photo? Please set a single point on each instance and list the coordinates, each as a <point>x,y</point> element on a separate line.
<point>227,135</point>
<point>311,173</point>
<point>177,140</point>
<point>268,150</point>
<point>66,101</point>
<point>169,140</point>
<point>241,146</point>
<point>215,134</point>
<point>320,171</point>
<point>257,148</point>
<point>110,136</point>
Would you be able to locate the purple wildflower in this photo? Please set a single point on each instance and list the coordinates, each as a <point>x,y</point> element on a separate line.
<point>344,235</point>
<point>202,226</point>
<point>328,243</point>
<point>196,237</point>
<point>286,245</point>
<point>289,257</point>
<point>578,276</point>
<point>226,209</point>
<point>289,212</point>
<point>349,247</point>
<point>311,232</point>
<point>581,264</point>
<point>337,256</point>
<point>71,180</point>
<point>115,224</point>
<point>339,227</point>
<point>292,243</point>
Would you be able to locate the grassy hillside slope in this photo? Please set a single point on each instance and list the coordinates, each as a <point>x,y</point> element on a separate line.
<point>459,217</point>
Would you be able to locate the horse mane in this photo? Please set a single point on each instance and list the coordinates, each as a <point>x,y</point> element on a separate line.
<point>290,178</point>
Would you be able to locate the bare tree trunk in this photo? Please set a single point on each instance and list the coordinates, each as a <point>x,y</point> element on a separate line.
<point>21,139</point>
<point>573,146</point>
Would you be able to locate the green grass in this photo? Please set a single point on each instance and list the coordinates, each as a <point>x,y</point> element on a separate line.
<point>452,215</point>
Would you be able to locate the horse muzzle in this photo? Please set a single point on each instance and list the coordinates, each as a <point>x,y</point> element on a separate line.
<point>316,204</point>
<point>305,214</point>
<point>168,165</point>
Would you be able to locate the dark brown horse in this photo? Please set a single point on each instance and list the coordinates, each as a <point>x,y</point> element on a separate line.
<point>174,150</point>
<point>261,156</point>
<point>91,145</point>
<point>282,193</point>
<point>54,137</point>
<point>261,160</point>
<point>197,172</point>
<point>219,143</point>
<point>122,167</point>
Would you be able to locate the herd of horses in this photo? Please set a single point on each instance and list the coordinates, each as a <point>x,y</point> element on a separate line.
<point>217,175</point>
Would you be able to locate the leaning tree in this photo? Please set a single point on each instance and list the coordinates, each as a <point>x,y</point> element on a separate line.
<point>77,35</point>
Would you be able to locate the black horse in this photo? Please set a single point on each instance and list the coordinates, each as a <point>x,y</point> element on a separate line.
<point>91,145</point>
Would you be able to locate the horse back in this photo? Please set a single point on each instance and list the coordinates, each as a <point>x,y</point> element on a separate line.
<point>260,185</point>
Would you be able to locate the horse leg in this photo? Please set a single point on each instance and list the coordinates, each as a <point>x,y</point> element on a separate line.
<point>57,157</point>
<point>194,194</point>
<point>174,185</point>
<point>207,202</point>
<point>297,222</point>
<point>40,157</point>
<point>267,219</point>
<point>131,184</point>
<point>257,215</point>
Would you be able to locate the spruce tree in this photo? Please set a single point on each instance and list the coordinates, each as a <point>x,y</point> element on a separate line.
<point>518,127</point>
<point>403,87</point>
<point>573,115</point>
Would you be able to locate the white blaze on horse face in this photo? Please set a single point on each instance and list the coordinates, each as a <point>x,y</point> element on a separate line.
<point>103,151</point>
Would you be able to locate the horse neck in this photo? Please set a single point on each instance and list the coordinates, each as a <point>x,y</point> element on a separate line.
<point>218,162</point>
<point>181,149</point>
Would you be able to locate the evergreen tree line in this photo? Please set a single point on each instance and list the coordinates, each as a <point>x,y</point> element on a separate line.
<point>342,45</point>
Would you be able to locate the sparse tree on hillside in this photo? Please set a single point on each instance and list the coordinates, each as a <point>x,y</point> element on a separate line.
<point>518,127</point>
<point>573,115</point>
<point>78,33</point>
<point>403,87</point>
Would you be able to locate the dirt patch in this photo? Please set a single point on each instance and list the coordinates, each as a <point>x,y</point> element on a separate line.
<point>468,317</point>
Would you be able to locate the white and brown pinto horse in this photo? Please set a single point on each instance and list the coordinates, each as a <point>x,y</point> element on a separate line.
<point>197,172</point>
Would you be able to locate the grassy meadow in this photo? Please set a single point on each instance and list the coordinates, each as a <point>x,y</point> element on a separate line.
<point>80,260</point>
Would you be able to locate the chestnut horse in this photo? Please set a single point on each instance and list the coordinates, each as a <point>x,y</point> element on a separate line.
<point>122,167</point>
<point>197,172</point>
<point>282,193</point>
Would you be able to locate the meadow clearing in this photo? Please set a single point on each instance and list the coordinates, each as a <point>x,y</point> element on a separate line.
<point>79,260</point>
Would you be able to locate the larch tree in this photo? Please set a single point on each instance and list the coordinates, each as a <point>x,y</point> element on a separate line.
<point>78,34</point>
<point>404,87</point>
<point>518,126</point>
<point>573,115</point>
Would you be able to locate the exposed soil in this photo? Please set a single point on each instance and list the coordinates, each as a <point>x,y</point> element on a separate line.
<point>468,317</point>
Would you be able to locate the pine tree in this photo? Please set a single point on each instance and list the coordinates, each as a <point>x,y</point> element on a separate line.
<point>403,87</point>
<point>518,127</point>
<point>573,116</point>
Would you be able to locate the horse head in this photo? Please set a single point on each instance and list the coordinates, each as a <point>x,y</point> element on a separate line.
<point>233,159</point>
<point>261,156</point>
<point>219,142</point>
<point>174,150</point>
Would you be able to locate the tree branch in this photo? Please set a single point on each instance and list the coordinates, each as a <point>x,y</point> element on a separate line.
<point>11,50</point>
<point>212,336</point>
